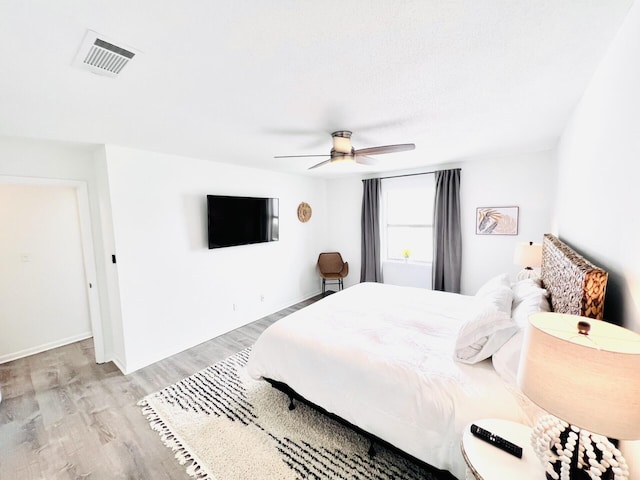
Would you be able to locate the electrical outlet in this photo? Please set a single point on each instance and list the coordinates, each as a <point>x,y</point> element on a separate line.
<point>235,307</point>
<point>262,297</point>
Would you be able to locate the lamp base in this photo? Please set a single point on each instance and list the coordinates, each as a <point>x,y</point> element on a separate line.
<point>527,272</point>
<point>575,474</point>
<point>569,453</point>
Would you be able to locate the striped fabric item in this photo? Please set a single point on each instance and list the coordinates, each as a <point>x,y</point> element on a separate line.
<point>223,425</point>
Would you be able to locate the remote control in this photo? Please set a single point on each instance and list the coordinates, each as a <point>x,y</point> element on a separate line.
<point>496,441</point>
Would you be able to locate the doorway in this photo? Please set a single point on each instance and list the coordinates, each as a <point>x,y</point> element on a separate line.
<point>48,278</point>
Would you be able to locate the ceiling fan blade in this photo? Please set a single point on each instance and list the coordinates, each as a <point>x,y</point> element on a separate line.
<point>364,160</point>
<point>320,164</point>
<point>298,156</point>
<point>403,147</point>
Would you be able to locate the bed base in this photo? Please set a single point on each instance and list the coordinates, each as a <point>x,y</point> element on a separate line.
<point>373,439</point>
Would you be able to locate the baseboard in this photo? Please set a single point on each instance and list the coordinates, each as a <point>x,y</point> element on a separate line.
<point>120,364</point>
<point>44,347</point>
<point>287,304</point>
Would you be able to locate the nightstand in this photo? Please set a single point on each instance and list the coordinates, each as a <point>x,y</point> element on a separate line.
<point>486,462</point>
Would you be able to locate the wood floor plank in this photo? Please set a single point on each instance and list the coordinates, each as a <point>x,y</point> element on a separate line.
<point>63,416</point>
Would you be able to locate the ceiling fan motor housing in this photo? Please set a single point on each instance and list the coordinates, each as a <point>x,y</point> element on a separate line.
<point>343,151</point>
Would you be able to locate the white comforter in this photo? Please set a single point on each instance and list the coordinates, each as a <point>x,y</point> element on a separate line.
<point>381,357</point>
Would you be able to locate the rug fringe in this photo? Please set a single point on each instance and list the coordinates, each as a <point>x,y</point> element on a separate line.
<point>169,439</point>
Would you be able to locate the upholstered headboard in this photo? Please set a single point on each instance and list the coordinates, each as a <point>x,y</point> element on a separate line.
<point>575,285</point>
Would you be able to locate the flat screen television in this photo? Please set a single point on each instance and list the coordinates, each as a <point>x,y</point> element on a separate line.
<point>241,220</point>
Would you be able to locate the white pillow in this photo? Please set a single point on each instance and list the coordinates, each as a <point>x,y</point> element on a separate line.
<point>493,283</point>
<point>528,297</point>
<point>506,359</point>
<point>534,302</point>
<point>500,297</point>
<point>489,327</point>
<point>526,288</point>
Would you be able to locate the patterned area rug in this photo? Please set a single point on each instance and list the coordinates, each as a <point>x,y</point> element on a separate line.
<point>223,425</point>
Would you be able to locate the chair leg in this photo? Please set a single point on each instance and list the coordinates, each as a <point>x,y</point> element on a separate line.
<point>323,286</point>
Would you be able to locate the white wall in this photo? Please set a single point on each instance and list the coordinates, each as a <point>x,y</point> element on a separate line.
<point>598,196</point>
<point>524,180</point>
<point>168,292</point>
<point>167,190</point>
<point>62,161</point>
<point>598,158</point>
<point>42,281</point>
<point>111,303</point>
<point>174,291</point>
<point>344,203</point>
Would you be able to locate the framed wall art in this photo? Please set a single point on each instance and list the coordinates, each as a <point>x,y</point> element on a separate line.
<point>497,221</point>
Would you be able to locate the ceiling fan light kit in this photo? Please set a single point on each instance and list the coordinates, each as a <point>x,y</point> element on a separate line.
<point>342,141</point>
<point>343,151</point>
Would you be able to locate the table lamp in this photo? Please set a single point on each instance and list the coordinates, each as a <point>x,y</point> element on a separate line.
<point>586,374</point>
<point>528,255</point>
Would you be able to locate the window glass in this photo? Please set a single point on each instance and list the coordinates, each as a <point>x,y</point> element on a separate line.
<point>407,218</point>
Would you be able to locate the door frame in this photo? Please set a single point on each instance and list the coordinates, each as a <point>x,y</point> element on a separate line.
<point>88,254</point>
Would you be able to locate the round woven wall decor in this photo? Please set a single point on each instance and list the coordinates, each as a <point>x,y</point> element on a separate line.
<point>304,212</point>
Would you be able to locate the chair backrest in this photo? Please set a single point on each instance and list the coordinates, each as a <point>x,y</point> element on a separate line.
<point>330,262</point>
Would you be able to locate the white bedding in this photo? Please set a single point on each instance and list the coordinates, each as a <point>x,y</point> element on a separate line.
<point>381,357</point>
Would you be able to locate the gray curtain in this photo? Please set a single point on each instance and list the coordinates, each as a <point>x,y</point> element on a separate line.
<point>447,242</point>
<point>370,270</point>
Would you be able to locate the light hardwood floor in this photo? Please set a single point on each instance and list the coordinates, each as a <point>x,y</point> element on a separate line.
<point>63,416</point>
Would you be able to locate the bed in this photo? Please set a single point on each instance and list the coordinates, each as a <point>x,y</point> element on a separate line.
<point>411,367</point>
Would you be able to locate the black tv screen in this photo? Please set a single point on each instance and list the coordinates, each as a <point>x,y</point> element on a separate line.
<point>241,220</point>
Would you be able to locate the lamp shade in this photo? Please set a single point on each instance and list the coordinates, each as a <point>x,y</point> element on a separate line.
<point>589,379</point>
<point>528,254</point>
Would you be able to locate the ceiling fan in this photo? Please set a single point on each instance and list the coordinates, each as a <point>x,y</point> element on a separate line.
<point>343,151</point>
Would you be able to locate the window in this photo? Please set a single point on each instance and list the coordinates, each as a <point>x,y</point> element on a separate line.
<point>407,218</point>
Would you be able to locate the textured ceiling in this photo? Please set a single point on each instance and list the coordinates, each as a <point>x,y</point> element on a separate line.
<point>242,81</point>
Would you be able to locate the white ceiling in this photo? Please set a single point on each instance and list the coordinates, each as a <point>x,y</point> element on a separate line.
<point>243,80</point>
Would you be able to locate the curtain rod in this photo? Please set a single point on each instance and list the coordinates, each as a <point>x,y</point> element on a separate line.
<point>412,174</point>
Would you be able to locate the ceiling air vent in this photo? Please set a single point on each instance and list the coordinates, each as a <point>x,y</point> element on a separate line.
<point>102,56</point>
